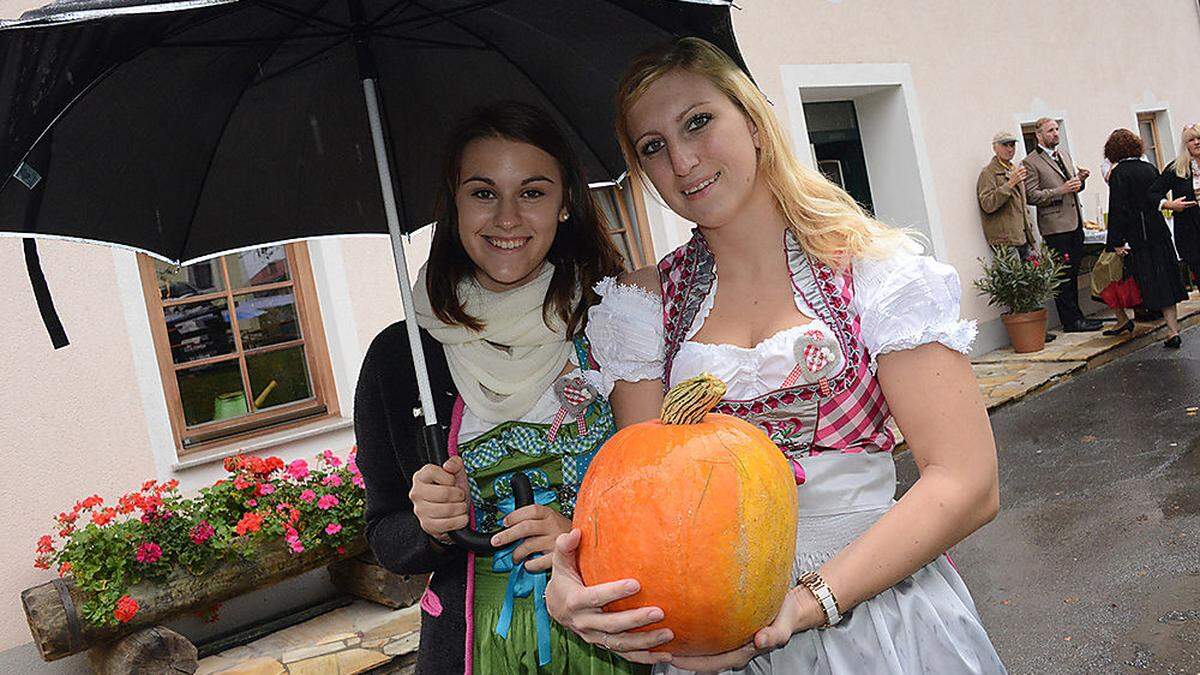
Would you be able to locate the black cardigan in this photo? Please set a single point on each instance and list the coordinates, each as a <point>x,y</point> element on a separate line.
<point>1133,215</point>
<point>1187,221</point>
<point>389,453</point>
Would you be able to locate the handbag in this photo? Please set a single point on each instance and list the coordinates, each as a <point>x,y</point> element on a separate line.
<point>1123,294</point>
<point>1109,267</point>
<point>1121,290</point>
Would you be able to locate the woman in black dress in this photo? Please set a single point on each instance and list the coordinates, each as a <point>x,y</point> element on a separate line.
<point>1181,178</point>
<point>1138,232</point>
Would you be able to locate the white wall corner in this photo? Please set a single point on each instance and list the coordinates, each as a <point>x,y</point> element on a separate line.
<point>337,316</point>
<point>145,362</point>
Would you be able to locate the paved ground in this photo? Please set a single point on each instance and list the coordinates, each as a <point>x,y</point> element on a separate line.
<point>1093,565</point>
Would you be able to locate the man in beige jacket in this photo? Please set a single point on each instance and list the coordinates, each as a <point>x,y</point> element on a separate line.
<point>1052,184</point>
<point>1001,193</point>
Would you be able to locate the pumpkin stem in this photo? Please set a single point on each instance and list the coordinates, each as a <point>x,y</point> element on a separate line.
<point>689,401</point>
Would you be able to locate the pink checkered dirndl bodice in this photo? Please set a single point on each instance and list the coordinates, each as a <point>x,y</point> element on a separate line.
<point>843,411</point>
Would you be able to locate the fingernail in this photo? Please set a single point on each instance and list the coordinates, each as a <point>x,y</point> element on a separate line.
<point>631,586</point>
<point>656,615</point>
<point>496,540</point>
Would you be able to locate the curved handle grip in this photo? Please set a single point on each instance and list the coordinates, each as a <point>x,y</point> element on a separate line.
<point>468,538</point>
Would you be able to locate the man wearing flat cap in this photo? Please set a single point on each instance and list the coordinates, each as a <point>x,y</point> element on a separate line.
<point>1001,193</point>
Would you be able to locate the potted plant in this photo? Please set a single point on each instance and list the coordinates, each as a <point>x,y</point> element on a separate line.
<point>1022,287</point>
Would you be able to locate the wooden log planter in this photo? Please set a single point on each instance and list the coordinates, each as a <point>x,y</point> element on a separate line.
<point>58,629</point>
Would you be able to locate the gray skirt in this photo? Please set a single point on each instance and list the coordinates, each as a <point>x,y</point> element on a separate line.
<point>927,623</point>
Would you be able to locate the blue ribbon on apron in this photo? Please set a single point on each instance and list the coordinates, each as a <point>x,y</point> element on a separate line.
<point>522,582</point>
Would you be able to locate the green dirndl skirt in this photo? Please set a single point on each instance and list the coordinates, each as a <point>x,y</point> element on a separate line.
<point>517,654</point>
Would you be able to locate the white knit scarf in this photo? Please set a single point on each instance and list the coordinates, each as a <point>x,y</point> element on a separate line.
<point>503,370</point>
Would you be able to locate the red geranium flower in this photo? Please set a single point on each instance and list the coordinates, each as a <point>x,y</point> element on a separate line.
<point>251,522</point>
<point>104,517</point>
<point>127,608</point>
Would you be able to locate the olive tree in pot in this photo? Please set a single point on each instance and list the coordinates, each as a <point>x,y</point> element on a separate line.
<point>1022,287</point>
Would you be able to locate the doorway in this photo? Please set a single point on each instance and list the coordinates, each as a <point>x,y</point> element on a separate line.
<point>837,147</point>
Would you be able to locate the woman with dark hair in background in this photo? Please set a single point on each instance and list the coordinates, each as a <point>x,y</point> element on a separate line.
<point>502,303</point>
<point>1138,232</point>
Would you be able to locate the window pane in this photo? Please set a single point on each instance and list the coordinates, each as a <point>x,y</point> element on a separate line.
<point>212,392</point>
<point>181,282</point>
<point>267,318</point>
<point>198,330</point>
<point>608,208</point>
<point>278,377</point>
<point>256,267</point>
<point>1147,133</point>
<point>618,239</point>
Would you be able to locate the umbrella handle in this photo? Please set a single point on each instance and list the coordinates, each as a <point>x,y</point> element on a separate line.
<point>468,538</point>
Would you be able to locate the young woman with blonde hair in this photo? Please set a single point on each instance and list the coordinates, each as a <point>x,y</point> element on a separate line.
<point>1181,178</point>
<point>824,324</point>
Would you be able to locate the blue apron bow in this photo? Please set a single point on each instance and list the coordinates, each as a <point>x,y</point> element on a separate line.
<point>522,582</point>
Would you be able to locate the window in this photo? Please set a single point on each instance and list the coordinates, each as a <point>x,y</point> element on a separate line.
<point>228,375</point>
<point>1029,137</point>
<point>622,206</point>
<point>1148,130</point>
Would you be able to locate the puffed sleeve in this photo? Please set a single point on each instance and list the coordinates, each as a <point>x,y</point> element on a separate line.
<point>626,333</point>
<point>906,300</point>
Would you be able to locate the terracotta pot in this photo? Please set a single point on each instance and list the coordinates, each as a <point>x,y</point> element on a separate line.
<point>1026,331</point>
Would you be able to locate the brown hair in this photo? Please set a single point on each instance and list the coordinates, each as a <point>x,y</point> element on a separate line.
<point>582,252</point>
<point>1123,143</point>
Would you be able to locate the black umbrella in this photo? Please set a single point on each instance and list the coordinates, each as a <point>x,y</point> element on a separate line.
<point>194,128</point>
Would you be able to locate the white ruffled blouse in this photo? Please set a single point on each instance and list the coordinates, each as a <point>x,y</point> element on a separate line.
<point>902,301</point>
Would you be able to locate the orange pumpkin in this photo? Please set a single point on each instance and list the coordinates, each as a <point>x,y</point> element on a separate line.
<point>700,508</point>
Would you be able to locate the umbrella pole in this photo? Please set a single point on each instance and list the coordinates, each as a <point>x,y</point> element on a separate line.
<point>435,444</point>
<point>393,222</point>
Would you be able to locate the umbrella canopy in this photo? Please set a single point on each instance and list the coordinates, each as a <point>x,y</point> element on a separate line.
<point>193,128</point>
<point>188,129</point>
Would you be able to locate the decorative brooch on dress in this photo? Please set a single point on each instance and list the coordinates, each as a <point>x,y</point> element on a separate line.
<point>817,357</point>
<point>574,395</point>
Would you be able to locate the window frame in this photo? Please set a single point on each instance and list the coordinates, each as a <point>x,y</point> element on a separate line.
<point>322,405</point>
<point>1151,117</point>
<point>633,224</point>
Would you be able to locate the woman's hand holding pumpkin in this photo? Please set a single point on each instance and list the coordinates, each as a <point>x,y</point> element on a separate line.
<point>799,612</point>
<point>581,609</point>
<point>439,498</point>
<point>539,526</point>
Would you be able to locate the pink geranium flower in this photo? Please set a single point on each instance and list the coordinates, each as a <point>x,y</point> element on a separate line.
<point>149,552</point>
<point>265,489</point>
<point>357,480</point>
<point>332,479</point>
<point>202,532</point>
<point>327,502</point>
<point>333,459</point>
<point>298,469</point>
<point>308,496</point>
<point>333,528</point>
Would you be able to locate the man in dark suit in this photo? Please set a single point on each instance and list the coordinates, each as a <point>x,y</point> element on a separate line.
<point>1052,184</point>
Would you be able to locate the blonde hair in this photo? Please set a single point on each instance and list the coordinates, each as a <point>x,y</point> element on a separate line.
<point>1183,163</point>
<point>826,220</point>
